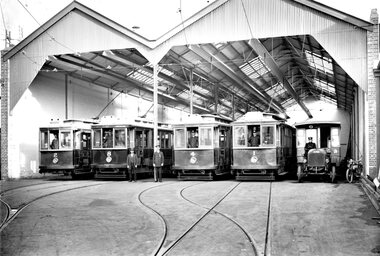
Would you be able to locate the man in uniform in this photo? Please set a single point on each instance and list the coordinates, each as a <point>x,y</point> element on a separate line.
<point>158,162</point>
<point>132,165</point>
<point>309,145</point>
<point>193,140</point>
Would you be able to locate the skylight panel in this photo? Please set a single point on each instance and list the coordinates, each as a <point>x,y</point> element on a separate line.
<point>254,68</point>
<point>320,63</point>
<point>325,86</point>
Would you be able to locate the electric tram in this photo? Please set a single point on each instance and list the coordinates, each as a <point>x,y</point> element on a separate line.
<point>263,146</point>
<point>324,157</point>
<point>65,147</point>
<point>202,147</point>
<point>113,139</point>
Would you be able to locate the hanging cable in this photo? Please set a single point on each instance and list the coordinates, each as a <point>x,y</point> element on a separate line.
<point>51,37</point>
<point>182,22</point>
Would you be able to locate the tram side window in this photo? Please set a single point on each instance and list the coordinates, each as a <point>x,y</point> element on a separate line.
<point>44,139</point>
<point>193,138</point>
<point>54,143</point>
<point>268,135</point>
<point>65,139</point>
<point>107,138</point>
<point>97,138</point>
<point>120,138</point>
<point>239,136</point>
<point>219,137</point>
<point>179,138</point>
<point>205,137</point>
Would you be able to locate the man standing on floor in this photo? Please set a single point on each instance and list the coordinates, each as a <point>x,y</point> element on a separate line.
<point>158,162</point>
<point>132,165</point>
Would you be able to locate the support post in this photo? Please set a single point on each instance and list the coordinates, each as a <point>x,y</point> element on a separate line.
<point>191,91</point>
<point>66,97</point>
<point>155,104</point>
<point>377,78</point>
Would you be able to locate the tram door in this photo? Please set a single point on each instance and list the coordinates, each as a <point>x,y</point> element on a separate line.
<point>82,142</point>
<point>140,144</point>
<point>224,145</point>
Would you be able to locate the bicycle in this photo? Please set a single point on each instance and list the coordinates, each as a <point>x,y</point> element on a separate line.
<point>354,170</point>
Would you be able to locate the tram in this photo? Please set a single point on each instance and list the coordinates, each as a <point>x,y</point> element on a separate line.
<point>263,146</point>
<point>325,156</point>
<point>202,147</point>
<point>65,147</point>
<point>113,139</point>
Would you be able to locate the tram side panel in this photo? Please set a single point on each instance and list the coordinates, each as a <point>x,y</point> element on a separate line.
<point>193,163</point>
<point>110,162</point>
<point>255,164</point>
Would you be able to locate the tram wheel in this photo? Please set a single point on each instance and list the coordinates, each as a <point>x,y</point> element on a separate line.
<point>299,173</point>
<point>349,175</point>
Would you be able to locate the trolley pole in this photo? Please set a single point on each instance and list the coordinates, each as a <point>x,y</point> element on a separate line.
<point>155,104</point>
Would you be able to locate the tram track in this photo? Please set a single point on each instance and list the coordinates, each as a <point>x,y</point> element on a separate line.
<point>161,250</point>
<point>11,214</point>
<point>247,234</point>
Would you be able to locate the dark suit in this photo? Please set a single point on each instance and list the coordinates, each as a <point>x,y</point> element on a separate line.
<point>158,162</point>
<point>308,146</point>
<point>132,165</point>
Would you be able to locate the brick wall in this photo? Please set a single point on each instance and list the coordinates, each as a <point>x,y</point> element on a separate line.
<point>373,53</point>
<point>4,117</point>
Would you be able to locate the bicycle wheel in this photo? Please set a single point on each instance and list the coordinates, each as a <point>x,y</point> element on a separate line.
<point>349,175</point>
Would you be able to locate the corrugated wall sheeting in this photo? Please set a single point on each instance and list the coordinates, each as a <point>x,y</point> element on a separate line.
<point>74,33</point>
<point>274,18</point>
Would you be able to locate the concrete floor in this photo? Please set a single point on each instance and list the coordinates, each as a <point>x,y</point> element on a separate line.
<point>92,217</point>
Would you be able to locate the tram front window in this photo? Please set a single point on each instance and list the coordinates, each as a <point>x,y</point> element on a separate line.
<point>254,138</point>
<point>65,139</point>
<point>193,139</point>
<point>268,135</point>
<point>239,136</point>
<point>107,138</point>
<point>54,143</point>
<point>179,135</point>
<point>205,137</point>
<point>119,138</point>
<point>335,137</point>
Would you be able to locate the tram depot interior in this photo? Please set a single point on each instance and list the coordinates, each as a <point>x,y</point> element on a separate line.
<point>231,58</point>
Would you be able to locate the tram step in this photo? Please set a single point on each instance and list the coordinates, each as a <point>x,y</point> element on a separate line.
<point>194,177</point>
<point>255,177</point>
<point>109,176</point>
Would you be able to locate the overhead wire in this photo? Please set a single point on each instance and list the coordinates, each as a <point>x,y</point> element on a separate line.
<point>45,30</point>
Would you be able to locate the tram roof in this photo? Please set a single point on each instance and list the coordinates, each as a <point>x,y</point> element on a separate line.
<point>112,121</point>
<point>202,120</point>
<point>316,123</point>
<point>69,124</point>
<point>259,117</point>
